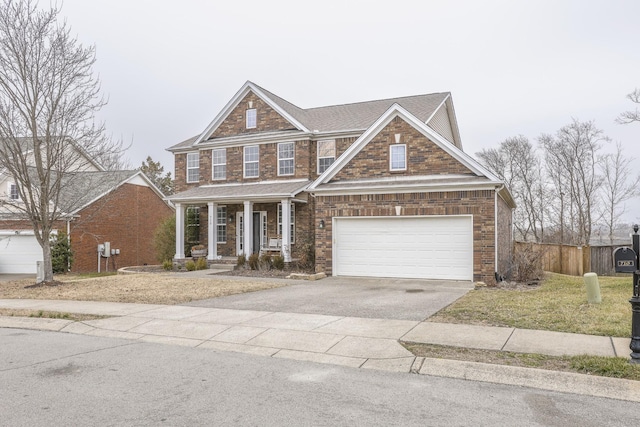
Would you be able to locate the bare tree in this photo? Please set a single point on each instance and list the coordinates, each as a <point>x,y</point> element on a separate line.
<point>517,164</point>
<point>617,187</point>
<point>631,116</point>
<point>555,174</point>
<point>48,98</point>
<point>573,153</point>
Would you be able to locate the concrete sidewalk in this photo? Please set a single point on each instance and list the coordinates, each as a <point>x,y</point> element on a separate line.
<point>349,341</point>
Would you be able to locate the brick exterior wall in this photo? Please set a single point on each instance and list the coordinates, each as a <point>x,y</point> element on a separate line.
<point>423,156</point>
<point>505,237</point>
<point>480,204</point>
<point>180,173</point>
<point>128,218</point>
<point>267,120</point>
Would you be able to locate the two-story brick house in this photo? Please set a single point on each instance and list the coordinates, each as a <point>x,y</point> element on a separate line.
<point>380,188</point>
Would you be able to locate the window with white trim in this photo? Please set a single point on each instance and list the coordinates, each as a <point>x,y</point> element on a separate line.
<point>292,221</point>
<point>251,161</point>
<point>193,167</point>
<point>13,191</point>
<point>219,163</point>
<point>221,224</point>
<point>192,222</point>
<point>398,157</point>
<point>251,118</point>
<point>326,154</point>
<point>286,154</point>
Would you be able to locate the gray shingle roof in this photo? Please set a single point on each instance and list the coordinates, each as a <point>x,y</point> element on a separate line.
<point>81,188</point>
<point>238,192</point>
<point>347,117</point>
<point>359,115</point>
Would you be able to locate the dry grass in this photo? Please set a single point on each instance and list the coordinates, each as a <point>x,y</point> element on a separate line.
<point>615,367</point>
<point>558,304</point>
<point>164,288</point>
<point>78,317</point>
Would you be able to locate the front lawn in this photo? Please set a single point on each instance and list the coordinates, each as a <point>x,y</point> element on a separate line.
<point>558,304</point>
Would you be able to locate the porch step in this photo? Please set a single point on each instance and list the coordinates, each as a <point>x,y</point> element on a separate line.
<point>226,260</point>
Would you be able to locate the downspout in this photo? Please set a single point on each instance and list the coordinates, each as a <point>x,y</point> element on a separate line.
<point>69,243</point>
<point>495,229</point>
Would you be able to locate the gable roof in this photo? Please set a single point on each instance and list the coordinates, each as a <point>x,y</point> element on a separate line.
<point>244,90</point>
<point>397,110</point>
<point>357,116</point>
<point>84,188</point>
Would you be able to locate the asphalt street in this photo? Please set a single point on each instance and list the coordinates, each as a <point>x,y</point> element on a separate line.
<point>55,379</point>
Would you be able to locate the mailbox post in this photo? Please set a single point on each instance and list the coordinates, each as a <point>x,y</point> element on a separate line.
<point>635,302</point>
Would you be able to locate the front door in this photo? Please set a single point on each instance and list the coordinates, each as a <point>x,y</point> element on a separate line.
<point>259,231</point>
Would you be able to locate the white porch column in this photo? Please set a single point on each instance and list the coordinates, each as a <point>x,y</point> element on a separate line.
<point>212,225</point>
<point>179,231</point>
<point>286,230</point>
<point>248,229</point>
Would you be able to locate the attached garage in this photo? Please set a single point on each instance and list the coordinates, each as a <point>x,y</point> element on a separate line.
<point>428,247</point>
<point>19,251</point>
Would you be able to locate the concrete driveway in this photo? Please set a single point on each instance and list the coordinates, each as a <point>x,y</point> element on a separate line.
<point>402,299</point>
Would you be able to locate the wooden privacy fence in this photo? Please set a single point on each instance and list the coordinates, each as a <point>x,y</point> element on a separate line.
<point>574,260</point>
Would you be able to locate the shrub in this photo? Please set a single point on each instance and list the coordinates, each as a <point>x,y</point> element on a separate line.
<point>201,264</point>
<point>241,261</point>
<point>190,265</point>
<point>167,264</point>
<point>254,260</point>
<point>306,252</point>
<point>278,262</point>
<point>164,239</point>
<point>61,255</point>
<point>265,262</point>
<point>526,265</point>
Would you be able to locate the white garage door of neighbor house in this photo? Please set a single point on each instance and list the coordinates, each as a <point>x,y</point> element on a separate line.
<point>435,247</point>
<point>19,253</point>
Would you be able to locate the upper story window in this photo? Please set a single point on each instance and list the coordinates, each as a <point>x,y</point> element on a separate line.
<point>286,158</point>
<point>219,164</point>
<point>398,157</point>
<point>251,161</point>
<point>193,167</point>
<point>326,154</point>
<point>252,118</point>
<point>13,191</point>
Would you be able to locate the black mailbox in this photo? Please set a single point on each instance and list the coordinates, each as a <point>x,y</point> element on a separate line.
<point>625,260</point>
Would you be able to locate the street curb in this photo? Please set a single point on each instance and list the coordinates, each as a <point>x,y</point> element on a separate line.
<point>563,382</point>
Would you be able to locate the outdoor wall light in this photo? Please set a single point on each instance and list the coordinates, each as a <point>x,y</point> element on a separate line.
<point>230,219</point>
<point>321,225</point>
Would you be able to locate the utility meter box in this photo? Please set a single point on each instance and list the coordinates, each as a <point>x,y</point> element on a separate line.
<point>625,260</point>
<point>107,250</point>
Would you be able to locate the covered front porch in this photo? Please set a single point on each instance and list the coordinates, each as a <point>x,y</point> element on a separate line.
<point>253,219</point>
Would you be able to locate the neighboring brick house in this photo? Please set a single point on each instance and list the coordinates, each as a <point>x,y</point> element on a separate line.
<point>379,188</point>
<point>120,207</point>
<point>125,210</point>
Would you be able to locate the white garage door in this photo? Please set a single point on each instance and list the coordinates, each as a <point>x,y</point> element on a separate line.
<point>437,247</point>
<point>19,253</point>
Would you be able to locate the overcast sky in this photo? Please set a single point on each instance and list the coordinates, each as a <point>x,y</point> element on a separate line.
<point>513,67</point>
